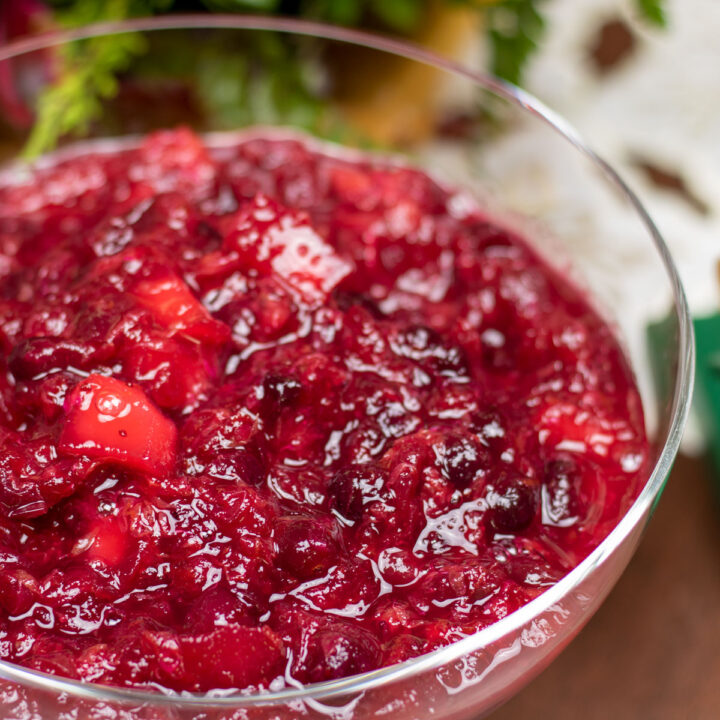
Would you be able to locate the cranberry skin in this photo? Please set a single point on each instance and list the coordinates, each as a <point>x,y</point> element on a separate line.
<point>490,427</point>
<point>562,504</point>
<point>460,458</point>
<point>418,342</point>
<point>392,617</point>
<point>18,590</point>
<point>217,607</point>
<point>426,346</point>
<point>401,648</point>
<point>231,656</point>
<point>281,391</point>
<point>36,356</point>
<point>47,395</point>
<point>450,585</point>
<point>399,566</point>
<point>305,547</point>
<point>341,650</point>
<point>241,464</point>
<point>355,486</point>
<point>346,299</point>
<point>513,504</point>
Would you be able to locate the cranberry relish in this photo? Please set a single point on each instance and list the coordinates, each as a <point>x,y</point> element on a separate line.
<point>270,413</point>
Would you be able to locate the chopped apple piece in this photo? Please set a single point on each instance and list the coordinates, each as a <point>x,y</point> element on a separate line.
<point>272,239</point>
<point>114,422</point>
<point>173,306</point>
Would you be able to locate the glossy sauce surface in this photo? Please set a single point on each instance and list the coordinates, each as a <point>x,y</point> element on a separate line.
<point>269,414</point>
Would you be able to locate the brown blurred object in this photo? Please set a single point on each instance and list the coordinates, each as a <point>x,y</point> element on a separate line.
<point>397,101</point>
<point>666,179</point>
<point>613,44</point>
<point>652,652</point>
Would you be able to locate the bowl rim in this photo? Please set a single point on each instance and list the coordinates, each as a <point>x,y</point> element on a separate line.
<point>684,375</point>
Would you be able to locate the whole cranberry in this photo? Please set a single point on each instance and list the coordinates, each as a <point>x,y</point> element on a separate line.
<point>399,566</point>
<point>35,356</point>
<point>340,650</point>
<point>513,503</point>
<point>353,487</point>
<point>460,458</point>
<point>305,547</point>
<point>218,606</point>
<point>490,426</point>
<point>401,648</point>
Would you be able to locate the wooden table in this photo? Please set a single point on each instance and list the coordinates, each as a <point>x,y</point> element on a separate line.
<point>652,652</point>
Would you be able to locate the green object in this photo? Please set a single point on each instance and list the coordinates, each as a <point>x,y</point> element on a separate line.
<point>653,11</point>
<point>90,70</point>
<point>707,382</point>
<point>88,73</point>
<point>515,27</point>
<point>706,401</point>
<point>662,337</point>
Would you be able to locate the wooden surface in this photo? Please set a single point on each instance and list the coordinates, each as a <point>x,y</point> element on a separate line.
<point>652,651</point>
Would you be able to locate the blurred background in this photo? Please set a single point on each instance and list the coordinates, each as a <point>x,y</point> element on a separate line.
<point>638,78</point>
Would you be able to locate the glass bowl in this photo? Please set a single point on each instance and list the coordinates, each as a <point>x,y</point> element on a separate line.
<point>520,160</point>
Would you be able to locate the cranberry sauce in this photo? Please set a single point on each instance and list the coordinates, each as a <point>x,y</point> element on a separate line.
<point>269,413</point>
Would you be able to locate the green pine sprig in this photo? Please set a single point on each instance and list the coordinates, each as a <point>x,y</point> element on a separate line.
<point>87,71</point>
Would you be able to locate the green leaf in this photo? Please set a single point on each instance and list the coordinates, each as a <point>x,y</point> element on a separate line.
<point>653,11</point>
<point>266,80</point>
<point>400,15</point>
<point>514,29</point>
<point>266,6</point>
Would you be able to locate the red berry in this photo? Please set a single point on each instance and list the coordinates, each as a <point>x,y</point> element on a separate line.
<point>340,650</point>
<point>461,458</point>
<point>305,547</point>
<point>513,503</point>
<point>355,486</point>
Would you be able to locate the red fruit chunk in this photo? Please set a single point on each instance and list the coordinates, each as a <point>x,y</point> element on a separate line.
<point>173,372</point>
<point>273,239</point>
<point>19,588</point>
<point>461,458</point>
<point>354,186</point>
<point>107,542</point>
<point>114,422</point>
<point>33,478</point>
<point>355,486</point>
<point>177,310</point>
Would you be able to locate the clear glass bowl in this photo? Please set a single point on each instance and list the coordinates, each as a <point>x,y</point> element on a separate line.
<point>521,160</point>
